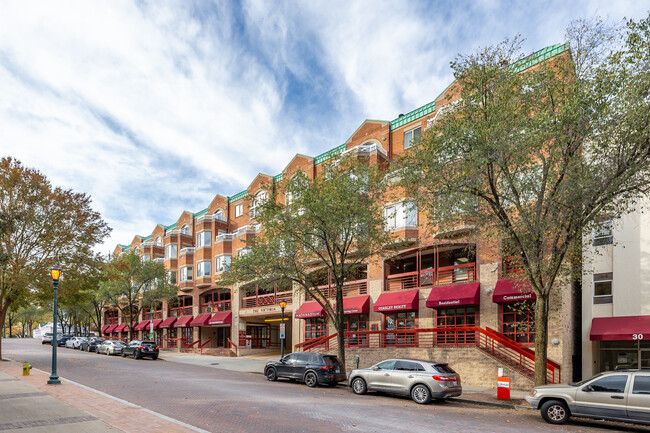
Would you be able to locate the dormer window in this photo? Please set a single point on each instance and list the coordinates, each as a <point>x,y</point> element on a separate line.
<point>218,215</point>
<point>185,229</point>
<point>258,200</point>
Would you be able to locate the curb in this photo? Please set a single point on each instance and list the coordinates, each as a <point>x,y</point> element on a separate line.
<point>492,404</point>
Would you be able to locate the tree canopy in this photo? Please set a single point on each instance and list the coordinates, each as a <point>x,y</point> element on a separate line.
<point>535,156</point>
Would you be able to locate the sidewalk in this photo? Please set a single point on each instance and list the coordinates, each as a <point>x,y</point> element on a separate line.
<point>255,364</point>
<point>29,404</point>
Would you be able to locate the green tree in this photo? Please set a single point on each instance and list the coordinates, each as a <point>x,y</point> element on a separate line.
<point>43,226</point>
<point>132,285</point>
<point>534,157</point>
<point>332,223</point>
<point>29,315</point>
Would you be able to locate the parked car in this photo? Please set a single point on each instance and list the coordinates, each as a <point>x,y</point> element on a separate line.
<point>622,395</point>
<point>141,349</point>
<point>47,338</point>
<point>90,345</point>
<point>74,342</point>
<point>110,347</point>
<point>311,368</point>
<point>422,380</point>
<point>62,339</point>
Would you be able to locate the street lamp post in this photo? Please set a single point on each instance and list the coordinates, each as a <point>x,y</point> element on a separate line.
<point>55,272</point>
<point>282,329</point>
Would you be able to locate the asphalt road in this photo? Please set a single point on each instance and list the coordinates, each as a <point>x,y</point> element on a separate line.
<point>229,401</point>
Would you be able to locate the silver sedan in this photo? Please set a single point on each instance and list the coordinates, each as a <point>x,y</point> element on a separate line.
<point>422,380</point>
<point>110,347</point>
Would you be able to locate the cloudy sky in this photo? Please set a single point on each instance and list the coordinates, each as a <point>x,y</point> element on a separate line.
<point>155,107</point>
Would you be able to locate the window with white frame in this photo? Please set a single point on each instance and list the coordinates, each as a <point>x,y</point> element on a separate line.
<point>158,241</point>
<point>603,288</point>
<point>243,251</point>
<point>603,234</point>
<point>239,210</point>
<point>171,277</point>
<point>146,257</point>
<point>403,214</point>
<point>187,273</point>
<point>258,200</point>
<point>171,251</point>
<point>203,239</point>
<point>219,215</point>
<point>203,269</point>
<point>185,229</point>
<point>411,136</point>
<point>222,263</point>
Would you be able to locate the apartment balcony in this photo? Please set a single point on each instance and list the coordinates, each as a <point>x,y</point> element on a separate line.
<point>512,267</point>
<point>224,237</point>
<point>464,273</point>
<point>111,321</point>
<point>158,314</point>
<point>350,288</point>
<point>266,299</point>
<point>187,250</point>
<point>216,307</point>
<point>186,285</point>
<point>202,282</point>
<point>181,311</point>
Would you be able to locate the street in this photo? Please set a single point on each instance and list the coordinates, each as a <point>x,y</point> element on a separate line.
<point>228,401</point>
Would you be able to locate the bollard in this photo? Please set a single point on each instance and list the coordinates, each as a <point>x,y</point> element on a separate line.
<point>357,361</point>
<point>26,368</point>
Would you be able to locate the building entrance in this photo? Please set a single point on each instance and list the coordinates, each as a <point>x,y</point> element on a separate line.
<point>645,359</point>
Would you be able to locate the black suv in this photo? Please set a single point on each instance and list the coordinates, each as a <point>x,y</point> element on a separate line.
<point>141,349</point>
<point>91,344</point>
<point>311,368</point>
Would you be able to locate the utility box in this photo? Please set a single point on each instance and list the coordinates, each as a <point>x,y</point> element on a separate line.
<point>503,388</point>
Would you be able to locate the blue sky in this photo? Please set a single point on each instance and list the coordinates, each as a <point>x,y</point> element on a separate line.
<point>155,107</point>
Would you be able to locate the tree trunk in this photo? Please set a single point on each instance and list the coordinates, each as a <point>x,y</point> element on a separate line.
<point>541,339</point>
<point>3,314</point>
<point>340,320</point>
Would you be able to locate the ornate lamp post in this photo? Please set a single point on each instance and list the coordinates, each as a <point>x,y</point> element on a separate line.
<point>55,272</point>
<point>282,329</point>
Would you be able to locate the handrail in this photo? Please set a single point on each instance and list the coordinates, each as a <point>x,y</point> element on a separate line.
<point>193,343</point>
<point>206,342</point>
<point>318,343</point>
<point>230,343</point>
<point>315,340</point>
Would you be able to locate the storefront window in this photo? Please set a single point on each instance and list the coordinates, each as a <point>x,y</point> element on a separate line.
<point>620,355</point>
<point>186,335</point>
<point>315,328</point>
<point>356,322</point>
<point>518,322</point>
<point>459,317</point>
<point>260,336</point>
<point>398,321</point>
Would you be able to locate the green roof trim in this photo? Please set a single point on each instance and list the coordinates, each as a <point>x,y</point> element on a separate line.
<point>124,247</point>
<point>200,213</point>
<point>329,154</point>
<point>145,238</point>
<point>170,227</point>
<point>413,115</point>
<point>238,196</point>
<point>277,178</point>
<point>538,57</point>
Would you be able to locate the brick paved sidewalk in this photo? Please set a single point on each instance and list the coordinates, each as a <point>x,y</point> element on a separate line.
<point>29,404</point>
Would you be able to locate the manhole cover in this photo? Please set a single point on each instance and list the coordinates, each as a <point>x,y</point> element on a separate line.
<point>215,363</point>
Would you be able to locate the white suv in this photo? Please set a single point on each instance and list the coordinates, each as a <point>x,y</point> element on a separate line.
<point>46,338</point>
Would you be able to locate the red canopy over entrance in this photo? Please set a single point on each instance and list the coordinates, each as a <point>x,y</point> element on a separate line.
<point>397,301</point>
<point>620,328</point>
<point>356,305</point>
<point>120,328</point>
<point>201,320</point>
<point>309,310</point>
<point>156,323</point>
<point>221,318</point>
<point>458,294</point>
<point>110,329</point>
<point>513,290</point>
<point>168,322</point>
<point>142,325</point>
<point>104,328</point>
<point>183,322</point>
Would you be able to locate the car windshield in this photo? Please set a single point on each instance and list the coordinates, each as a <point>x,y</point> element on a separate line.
<point>582,382</point>
<point>443,368</point>
<point>331,360</point>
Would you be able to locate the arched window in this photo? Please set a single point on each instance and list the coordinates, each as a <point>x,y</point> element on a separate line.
<point>258,200</point>
<point>158,241</point>
<point>185,229</point>
<point>218,214</point>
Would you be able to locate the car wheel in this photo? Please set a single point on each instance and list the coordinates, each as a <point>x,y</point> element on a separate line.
<point>555,412</point>
<point>153,358</point>
<point>272,374</point>
<point>123,354</point>
<point>421,394</point>
<point>311,380</point>
<point>135,355</point>
<point>359,386</point>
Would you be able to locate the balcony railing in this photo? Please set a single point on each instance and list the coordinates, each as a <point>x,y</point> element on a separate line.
<point>215,307</point>
<point>187,250</point>
<point>111,321</point>
<point>351,288</point>
<point>158,314</point>
<point>267,299</point>
<point>224,237</point>
<point>180,311</point>
<point>432,277</point>
<point>512,266</point>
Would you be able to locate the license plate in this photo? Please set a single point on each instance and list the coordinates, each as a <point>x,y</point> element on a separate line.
<point>454,383</point>
<point>338,371</point>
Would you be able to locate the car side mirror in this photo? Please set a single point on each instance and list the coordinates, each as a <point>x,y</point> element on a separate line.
<point>587,388</point>
<point>374,368</point>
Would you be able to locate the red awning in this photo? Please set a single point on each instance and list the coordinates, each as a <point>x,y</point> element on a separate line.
<point>121,328</point>
<point>110,329</point>
<point>183,322</point>
<point>620,328</point>
<point>356,305</point>
<point>309,310</point>
<point>105,327</point>
<point>201,320</point>
<point>458,294</point>
<point>397,301</point>
<point>142,325</point>
<point>168,322</point>
<point>221,318</point>
<point>156,323</point>
<point>513,290</point>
